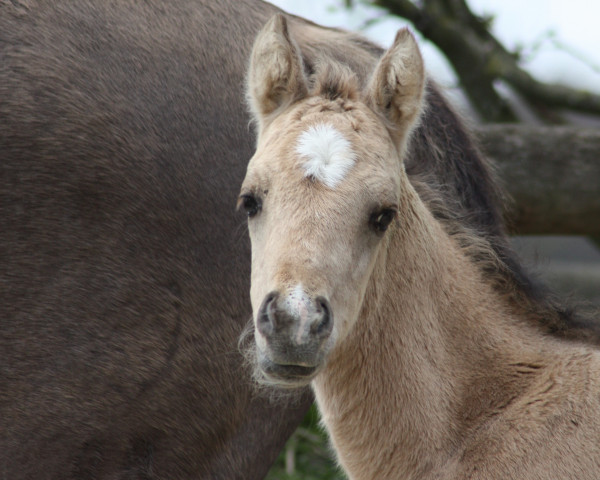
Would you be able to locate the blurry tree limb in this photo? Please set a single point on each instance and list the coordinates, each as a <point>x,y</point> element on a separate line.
<point>552,175</point>
<point>479,60</point>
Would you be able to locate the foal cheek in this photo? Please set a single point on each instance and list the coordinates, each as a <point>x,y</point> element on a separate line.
<point>348,292</point>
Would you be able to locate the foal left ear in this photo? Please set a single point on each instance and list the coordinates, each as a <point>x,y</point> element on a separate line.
<point>397,85</point>
<point>276,75</point>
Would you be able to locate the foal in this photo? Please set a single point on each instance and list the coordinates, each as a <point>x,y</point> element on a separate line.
<point>420,367</point>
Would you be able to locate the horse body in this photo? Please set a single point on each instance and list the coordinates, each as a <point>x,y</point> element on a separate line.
<point>424,365</point>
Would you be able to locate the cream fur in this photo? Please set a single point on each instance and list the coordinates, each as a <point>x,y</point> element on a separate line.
<point>429,373</point>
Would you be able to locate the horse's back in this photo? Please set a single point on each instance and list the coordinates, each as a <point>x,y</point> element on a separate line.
<point>124,274</point>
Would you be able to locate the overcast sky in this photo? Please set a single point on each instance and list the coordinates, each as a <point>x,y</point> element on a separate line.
<point>574,23</point>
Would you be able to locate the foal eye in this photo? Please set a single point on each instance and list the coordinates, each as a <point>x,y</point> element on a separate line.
<point>250,204</point>
<point>380,220</point>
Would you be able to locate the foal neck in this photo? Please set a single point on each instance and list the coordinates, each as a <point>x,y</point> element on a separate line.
<point>426,361</point>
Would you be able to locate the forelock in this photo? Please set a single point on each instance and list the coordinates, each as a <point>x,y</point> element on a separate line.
<point>335,82</point>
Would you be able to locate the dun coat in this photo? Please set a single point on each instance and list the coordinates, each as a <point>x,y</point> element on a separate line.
<point>424,363</point>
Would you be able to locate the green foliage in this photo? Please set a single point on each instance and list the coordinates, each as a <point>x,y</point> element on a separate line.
<point>307,455</point>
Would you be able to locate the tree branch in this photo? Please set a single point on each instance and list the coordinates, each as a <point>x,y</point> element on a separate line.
<point>479,59</point>
<point>557,96</point>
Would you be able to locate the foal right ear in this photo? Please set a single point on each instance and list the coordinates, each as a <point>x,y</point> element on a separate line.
<point>276,77</point>
<point>396,88</point>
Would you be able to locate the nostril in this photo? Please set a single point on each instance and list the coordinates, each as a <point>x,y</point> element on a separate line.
<point>322,306</point>
<point>323,325</point>
<point>265,321</point>
<point>269,298</point>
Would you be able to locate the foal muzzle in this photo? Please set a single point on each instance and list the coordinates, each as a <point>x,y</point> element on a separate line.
<point>295,328</point>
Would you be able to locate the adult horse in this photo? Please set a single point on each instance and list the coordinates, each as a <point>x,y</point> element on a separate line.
<point>423,363</point>
<point>123,272</point>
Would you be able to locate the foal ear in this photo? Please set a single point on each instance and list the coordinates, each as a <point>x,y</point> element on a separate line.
<point>397,85</point>
<point>276,77</point>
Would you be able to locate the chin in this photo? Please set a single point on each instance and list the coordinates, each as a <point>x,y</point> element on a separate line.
<point>286,375</point>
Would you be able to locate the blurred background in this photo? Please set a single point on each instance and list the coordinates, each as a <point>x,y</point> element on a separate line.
<point>556,41</point>
<point>522,73</point>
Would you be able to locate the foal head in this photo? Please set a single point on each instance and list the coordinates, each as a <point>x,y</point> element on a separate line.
<point>320,192</point>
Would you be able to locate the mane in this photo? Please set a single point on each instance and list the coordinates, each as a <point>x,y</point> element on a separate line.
<point>455,181</point>
<point>459,186</point>
<point>334,82</point>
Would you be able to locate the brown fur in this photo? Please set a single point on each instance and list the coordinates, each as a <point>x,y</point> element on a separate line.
<point>438,365</point>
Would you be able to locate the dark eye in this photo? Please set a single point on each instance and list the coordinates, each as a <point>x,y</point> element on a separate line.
<point>381,219</point>
<point>250,204</point>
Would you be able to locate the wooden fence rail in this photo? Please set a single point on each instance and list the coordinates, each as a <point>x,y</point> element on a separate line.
<point>552,175</point>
